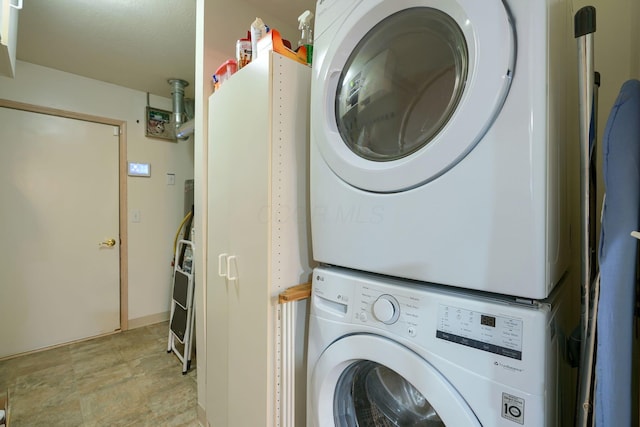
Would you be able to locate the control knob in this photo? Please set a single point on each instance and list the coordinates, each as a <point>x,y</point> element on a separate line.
<point>386,309</point>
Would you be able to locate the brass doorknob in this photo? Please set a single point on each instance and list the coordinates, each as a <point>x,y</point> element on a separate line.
<point>109,243</point>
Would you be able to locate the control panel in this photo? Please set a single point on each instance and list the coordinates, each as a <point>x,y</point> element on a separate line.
<point>495,334</point>
<point>416,314</point>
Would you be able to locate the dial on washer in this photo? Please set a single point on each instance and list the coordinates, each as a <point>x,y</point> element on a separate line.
<point>386,309</point>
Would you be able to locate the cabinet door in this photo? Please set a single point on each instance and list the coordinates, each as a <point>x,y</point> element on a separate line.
<point>217,330</point>
<point>248,298</point>
<point>238,304</point>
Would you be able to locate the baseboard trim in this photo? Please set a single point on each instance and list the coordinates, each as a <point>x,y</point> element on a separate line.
<point>148,320</point>
<point>202,416</point>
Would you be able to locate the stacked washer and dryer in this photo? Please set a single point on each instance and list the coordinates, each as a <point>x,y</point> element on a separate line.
<point>439,131</point>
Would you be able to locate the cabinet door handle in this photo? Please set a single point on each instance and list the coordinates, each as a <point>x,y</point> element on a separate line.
<point>16,6</point>
<point>229,275</point>
<point>222,261</point>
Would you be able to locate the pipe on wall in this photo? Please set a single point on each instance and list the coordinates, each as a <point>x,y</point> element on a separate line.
<point>177,96</point>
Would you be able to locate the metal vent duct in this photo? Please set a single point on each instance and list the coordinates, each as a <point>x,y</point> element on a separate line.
<point>177,96</point>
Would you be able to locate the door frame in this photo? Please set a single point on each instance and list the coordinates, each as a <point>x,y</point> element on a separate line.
<point>122,184</point>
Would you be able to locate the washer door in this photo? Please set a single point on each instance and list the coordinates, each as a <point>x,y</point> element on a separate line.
<point>367,380</point>
<point>406,89</point>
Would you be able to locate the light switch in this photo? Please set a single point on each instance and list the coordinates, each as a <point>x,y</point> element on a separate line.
<point>171,179</point>
<point>135,215</point>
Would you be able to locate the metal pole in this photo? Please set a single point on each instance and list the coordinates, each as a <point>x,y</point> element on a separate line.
<point>584,29</point>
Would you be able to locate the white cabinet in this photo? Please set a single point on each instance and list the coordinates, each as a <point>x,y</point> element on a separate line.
<point>8,35</point>
<point>258,234</point>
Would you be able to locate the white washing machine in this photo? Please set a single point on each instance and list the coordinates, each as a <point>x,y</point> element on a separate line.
<point>438,135</point>
<point>384,352</point>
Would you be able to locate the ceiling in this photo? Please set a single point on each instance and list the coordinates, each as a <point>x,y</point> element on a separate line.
<point>138,44</point>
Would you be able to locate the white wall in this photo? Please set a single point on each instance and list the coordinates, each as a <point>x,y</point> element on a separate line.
<point>161,206</point>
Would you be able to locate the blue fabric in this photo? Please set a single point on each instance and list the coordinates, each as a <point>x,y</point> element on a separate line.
<point>617,258</point>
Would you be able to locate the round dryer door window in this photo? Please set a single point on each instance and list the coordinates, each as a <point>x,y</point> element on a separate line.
<point>409,88</point>
<point>391,100</point>
<point>368,380</point>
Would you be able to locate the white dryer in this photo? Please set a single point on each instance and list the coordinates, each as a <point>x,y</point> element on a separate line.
<point>384,352</point>
<point>438,135</point>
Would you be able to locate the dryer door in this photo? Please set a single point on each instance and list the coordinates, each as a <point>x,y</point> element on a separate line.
<point>407,88</point>
<point>367,380</point>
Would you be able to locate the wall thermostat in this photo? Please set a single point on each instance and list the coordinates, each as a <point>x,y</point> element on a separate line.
<point>139,169</point>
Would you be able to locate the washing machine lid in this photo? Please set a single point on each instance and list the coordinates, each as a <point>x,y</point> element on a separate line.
<point>371,380</point>
<point>408,88</point>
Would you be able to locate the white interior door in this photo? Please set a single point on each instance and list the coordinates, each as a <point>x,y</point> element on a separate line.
<point>60,200</point>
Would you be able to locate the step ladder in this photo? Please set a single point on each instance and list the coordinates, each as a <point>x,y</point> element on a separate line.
<point>182,319</point>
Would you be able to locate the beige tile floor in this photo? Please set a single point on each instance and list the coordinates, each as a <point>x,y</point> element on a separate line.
<point>125,379</point>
